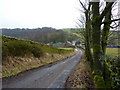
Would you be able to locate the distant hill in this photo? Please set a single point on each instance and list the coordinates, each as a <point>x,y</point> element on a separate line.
<point>43,35</point>
<point>21,33</point>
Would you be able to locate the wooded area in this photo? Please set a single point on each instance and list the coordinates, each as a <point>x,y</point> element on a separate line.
<point>42,35</point>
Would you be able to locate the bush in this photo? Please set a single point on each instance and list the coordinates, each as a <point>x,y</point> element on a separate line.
<point>114,66</point>
<point>20,48</point>
<point>5,52</point>
<point>112,71</point>
<point>99,81</point>
<point>37,51</point>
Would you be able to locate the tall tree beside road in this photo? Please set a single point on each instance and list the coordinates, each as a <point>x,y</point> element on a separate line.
<point>99,39</point>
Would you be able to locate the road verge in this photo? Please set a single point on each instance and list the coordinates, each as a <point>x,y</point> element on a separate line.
<point>16,65</point>
<point>81,76</point>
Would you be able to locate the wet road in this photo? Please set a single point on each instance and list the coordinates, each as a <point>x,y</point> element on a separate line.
<point>49,77</point>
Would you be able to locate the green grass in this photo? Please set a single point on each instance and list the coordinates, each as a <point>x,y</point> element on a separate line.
<point>112,51</point>
<point>14,47</point>
<point>67,48</point>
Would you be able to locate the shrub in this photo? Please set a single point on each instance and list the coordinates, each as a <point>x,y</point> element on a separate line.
<point>18,48</point>
<point>99,82</point>
<point>37,51</point>
<point>114,66</point>
<point>5,52</point>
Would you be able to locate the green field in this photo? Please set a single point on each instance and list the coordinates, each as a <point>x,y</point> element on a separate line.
<point>113,51</point>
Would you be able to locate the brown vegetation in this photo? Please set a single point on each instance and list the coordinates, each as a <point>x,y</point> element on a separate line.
<point>81,76</point>
<point>15,65</point>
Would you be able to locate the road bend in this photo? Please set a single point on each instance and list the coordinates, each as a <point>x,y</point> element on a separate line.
<point>48,77</point>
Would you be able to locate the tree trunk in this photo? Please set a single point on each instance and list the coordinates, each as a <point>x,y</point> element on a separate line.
<point>88,39</point>
<point>96,23</point>
<point>105,33</point>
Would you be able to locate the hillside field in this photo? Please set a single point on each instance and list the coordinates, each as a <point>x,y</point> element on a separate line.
<point>113,51</point>
<point>21,55</point>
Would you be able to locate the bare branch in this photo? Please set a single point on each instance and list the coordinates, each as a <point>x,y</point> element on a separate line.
<point>110,21</point>
<point>115,26</point>
<point>107,8</point>
<point>82,5</point>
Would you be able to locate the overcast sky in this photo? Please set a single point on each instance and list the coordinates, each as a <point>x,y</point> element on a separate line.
<point>39,13</point>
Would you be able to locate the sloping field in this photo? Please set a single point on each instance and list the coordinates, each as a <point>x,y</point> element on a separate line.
<point>21,55</point>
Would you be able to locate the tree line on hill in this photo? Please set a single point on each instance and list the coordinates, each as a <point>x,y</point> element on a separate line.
<point>43,35</point>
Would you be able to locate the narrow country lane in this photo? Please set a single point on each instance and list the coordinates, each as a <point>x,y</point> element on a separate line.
<point>48,77</point>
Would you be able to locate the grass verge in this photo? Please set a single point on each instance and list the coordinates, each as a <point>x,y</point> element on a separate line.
<point>67,48</point>
<point>16,65</point>
<point>81,76</point>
